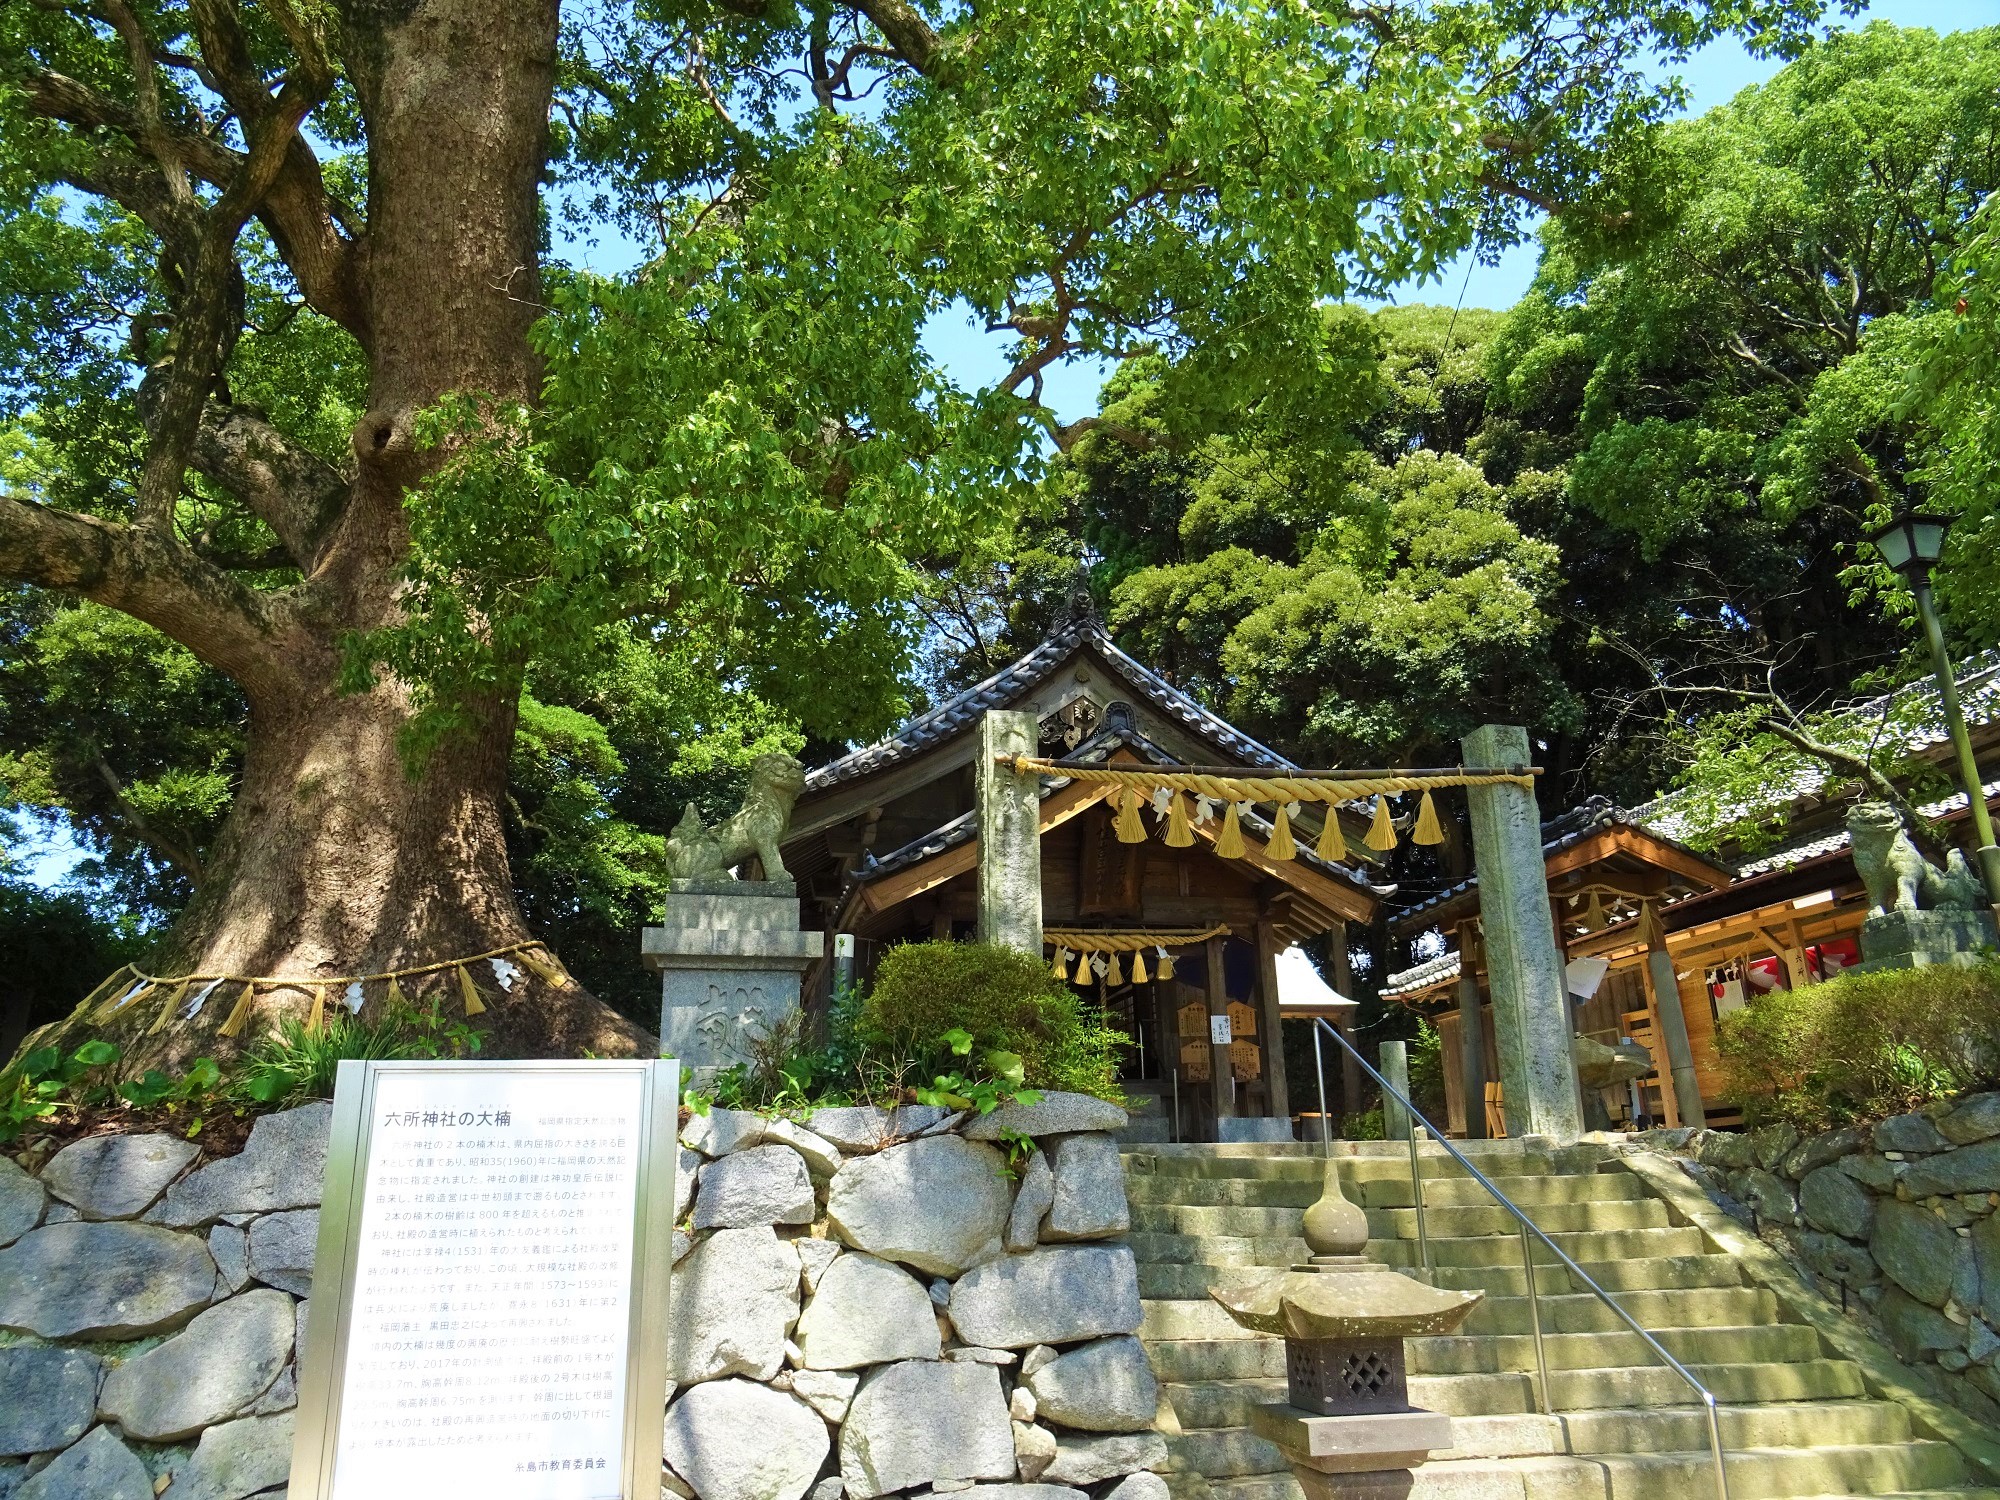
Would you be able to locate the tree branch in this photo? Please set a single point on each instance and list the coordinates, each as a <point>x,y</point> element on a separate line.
<point>907,31</point>
<point>287,487</point>
<point>181,858</point>
<point>152,577</point>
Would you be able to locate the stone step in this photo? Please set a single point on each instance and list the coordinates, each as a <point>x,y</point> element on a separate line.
<point>1702,1307</point>
<point>1388,1192</point>
<point>1155,1248</point>
<point>1167,1279</point>
<point>1227,1403</point>
<point>1468,1221</point>
<point>1368,1161</point>
<point>1141,1129</point>
<point>1582,1247</point>
<point>1257,1375</point>
<point>1617,1276</point>
<point>1459,1354</point>
<point>1450,1192</point>
<point>1896,1471</point>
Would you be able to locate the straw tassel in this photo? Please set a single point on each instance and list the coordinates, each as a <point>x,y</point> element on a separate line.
<point>167,1010</point>
<point>1179,834</point>
<point>1281,845</point>
<point>1229,843</point>
<point>545,964</point>
<point>1163,967</point>
<point>119,998</point>
<point>1332,846</point>
<point>1130,829</point>
<point>1594,918</point>
<point>1139,968</point>
<point>1382,832</point>
<point>1059,969</point>
<point>1427,830</point>
<point>474,1006</point>
<point>239,1014</point>
<point>395,999</point>
<point>113,983</point>
<point>316,1017</point>
<point>1115,974</point>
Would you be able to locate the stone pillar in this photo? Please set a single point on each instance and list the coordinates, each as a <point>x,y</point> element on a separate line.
<point>1395,1066</point>
<point>1222,1082</point>
<point>1471,1033</point>
<point>1277,1087</point>
<point>730,955</point>
<point>1674,1035</point>
<point>1010,834</point>
<point>1531,1019</point>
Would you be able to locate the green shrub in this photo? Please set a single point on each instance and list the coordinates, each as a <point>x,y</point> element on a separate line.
<point>295,1064</point>
<point>1862,1046</point>
<point>1007,1000</point>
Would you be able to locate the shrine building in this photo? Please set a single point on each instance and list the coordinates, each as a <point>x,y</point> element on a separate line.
<point>884,846</point>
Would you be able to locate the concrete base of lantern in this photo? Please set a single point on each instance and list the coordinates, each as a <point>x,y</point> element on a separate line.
<point>1358,1457</point>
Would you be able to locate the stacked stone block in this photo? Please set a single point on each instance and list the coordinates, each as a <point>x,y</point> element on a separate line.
<point>1896,1221</point>
<point>869,1303</point>
<point>923,1318</point>
<point>153,1305</point>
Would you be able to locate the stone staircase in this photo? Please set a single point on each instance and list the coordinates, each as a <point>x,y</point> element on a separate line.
<point>1146,1115</point>
<point>1795,1422</point>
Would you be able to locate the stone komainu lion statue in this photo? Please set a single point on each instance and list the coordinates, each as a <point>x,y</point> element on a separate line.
<point>698,853</point>
<point>1899,878</point>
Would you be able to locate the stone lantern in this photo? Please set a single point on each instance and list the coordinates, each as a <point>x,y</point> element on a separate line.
<point>1348,1431</point>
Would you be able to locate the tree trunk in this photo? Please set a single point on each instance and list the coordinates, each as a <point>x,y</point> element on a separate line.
<point>335,860</point>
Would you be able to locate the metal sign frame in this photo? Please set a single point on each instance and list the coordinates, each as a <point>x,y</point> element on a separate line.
<point>324,1357</point>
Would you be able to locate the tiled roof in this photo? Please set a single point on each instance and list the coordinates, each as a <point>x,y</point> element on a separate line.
<point>960,713</point>
<point>1430,972</point>
<point>1677,814</point>
<point>1832,840</point>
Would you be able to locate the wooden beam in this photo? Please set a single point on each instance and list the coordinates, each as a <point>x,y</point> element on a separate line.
<point>927,874</point>
<point>1346,902</point>
<point>1221,1080</point>
<point>1641,846</point>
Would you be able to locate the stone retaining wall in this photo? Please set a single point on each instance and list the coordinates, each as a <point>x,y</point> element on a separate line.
<point>865,1304</point>
<point>1895,1221</point>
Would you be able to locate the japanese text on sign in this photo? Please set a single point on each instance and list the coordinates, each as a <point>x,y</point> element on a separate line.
<point>490,1316</point>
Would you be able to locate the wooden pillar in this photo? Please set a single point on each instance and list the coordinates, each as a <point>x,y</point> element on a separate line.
<point>1471,1033</point>
<point>1221,1080</point>
<point>1277,1088</point>
<point>1010,834</point>
<point>1343,981</point>
<point>1664,990</point>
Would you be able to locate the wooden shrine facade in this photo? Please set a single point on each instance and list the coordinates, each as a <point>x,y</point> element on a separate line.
<point>885,842</point>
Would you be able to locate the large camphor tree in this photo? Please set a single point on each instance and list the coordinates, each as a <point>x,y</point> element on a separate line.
<point>303,389</point>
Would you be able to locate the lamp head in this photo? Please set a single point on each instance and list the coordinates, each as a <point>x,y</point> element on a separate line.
<point>1912,542</point>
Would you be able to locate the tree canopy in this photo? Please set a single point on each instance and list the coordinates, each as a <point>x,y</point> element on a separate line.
<point>483,544</point>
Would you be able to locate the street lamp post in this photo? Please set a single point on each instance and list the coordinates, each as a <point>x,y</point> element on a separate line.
<point>1912,544</point>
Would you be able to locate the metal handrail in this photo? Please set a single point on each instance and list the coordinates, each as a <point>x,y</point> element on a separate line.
<point>1528,1227</point>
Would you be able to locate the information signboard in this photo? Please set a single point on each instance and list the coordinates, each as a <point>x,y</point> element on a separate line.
<point>489,1310</point>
